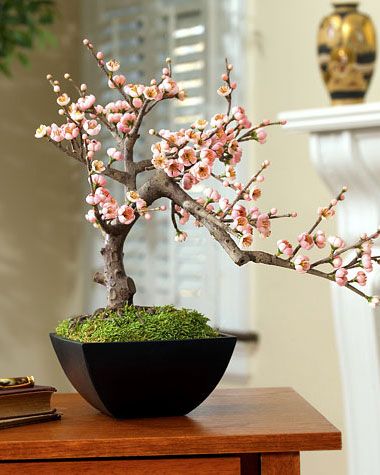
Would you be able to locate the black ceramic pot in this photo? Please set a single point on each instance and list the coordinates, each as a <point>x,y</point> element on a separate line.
<point>145,379</point>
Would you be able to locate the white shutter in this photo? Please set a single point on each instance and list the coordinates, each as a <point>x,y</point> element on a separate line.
<point>141,34</point>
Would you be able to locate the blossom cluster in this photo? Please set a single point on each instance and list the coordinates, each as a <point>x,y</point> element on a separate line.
<point>206,150</point>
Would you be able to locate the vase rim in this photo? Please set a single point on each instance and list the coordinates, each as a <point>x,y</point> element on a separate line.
<point>345,4</point>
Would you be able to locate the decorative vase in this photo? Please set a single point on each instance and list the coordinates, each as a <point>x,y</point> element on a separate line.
<point>347,53</point>
<point>148,378</point>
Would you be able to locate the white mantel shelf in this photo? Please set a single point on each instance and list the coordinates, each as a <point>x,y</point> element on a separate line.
<point>328,119</point>
<point>344,144</point>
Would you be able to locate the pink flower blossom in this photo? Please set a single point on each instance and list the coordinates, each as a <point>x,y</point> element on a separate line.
<point>320,239</point>
<point>254,212</point>
<point>366,247</point>
<point>185,215</point>
<point>181,236</point>
<point>200,124</point>
<point>238,112</point>
<point>263,225</point>
<point>90,216</point>
<point>341,276</point>
<point>132,196</point>
<point>326,213</point>
<point>187,156</point>
<point>212,194</point>
<point>118,80</point>
<point>94,145</point>
<point>337,262</point>
<point>114,118</point>
<point>224,91</point>
<point>104,195</point>
<point>63,100</point>
<point>141,205</point>
<point>152,93</point>
<point>41,131</point>
<point>306,241</point>
<point>98,180</point>
<point>188,181</point>
<point>113,65</point>
<point>224,204</point>
<point>92,200</point>
<point>367,262</point>
<point>336,242</point>
<point>208,206</point>
<point>218,148</point>
<point>86,102</point>
<point>302,264</point>
<point>201,171</point>
<point>361,278</point>
<point>109,210</point>
<point>169,87</point>
<point>126,214</point>
<point>284,247</point>
<point>246,240</point>
<point>75,113</point>
<point>97,166</point>
<point>56,133</point>
<point>261,136</point>
<point>239,223</point>
<point>159,162</point>
<point>238,210</point>
<point>208,156</point>
<point>126,122</point>
<point>92,127</point>
<point>137,102</point>
<point>70,130</point>
<point>218,120</point>
<point>173,168</point>
<point>134,90</point>
<point>255,193</point>
<point>114,154</point>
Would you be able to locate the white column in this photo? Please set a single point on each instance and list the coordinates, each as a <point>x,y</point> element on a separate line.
<point>345,149</point>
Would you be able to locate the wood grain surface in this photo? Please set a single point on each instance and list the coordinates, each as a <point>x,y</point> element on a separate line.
<point>200,466</point>
<point>280,464</point>
<point>230,421</point>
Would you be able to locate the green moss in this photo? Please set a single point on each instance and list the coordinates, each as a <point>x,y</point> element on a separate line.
<point>138,324</point>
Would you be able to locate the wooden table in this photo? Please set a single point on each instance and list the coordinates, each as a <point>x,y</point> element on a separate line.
<point>236,431</point>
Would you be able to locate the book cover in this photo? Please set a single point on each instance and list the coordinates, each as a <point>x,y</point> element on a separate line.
<point>26,420</point>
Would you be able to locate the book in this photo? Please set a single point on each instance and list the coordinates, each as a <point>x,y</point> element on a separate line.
<point>24,420</point>
<point>23,402</point>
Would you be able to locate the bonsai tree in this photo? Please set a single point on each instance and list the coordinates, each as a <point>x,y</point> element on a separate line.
<point>177,161</point>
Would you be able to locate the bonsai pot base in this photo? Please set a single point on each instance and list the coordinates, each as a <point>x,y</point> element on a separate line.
<point>145,379</point>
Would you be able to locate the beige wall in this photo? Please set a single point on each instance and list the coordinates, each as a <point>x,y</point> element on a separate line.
<point>40,208</point>
<point>40,202</point>
<point>293,312</point>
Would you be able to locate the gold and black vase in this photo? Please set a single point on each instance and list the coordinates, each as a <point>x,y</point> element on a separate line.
<point>347,53</point>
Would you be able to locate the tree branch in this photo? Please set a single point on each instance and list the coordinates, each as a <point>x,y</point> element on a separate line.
<point>219,232</point>
<point>143,165</point>
<point>117,175</point>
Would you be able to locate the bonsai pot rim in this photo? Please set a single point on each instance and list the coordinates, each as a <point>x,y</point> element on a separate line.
<point>220,336</point>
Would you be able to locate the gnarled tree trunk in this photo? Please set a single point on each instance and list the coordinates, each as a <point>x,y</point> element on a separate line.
<point>120,287</point>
